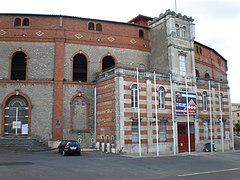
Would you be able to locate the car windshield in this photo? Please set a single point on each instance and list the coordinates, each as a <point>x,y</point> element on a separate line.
<point>73,143</point>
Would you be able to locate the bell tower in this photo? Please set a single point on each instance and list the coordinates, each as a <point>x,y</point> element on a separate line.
<point>172,46</point>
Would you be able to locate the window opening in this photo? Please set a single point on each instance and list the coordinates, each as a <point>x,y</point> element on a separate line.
<point>161,94</point>
<point>91,26</point>
<point>107,63</point>
<point>184,32</point>
<point>134,95</point>
<point>197,73</point>
<point>25,22</point>
<point>221,101</point>
<point>99,27</point>
<point>177,30</point>
<point>204,101</point>
<point>182,65</point>
<point>207,76</point>
<point>141,34</point>
<point>80,68</point>
<point>135,134</point>
<point>19,63</point>
<point>162,131</point>
<point>17,22</point>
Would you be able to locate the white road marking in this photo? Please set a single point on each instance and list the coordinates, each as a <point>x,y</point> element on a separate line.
<point>209,172</point>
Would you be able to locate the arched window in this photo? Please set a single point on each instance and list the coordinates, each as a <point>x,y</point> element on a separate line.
<point>161,94</point>
<point>197,49</point>
<point>18,67</point>
<point>184,32</point>
<point>134,95</point>
<point>200,50</point>
<point>99,27</point>
<point>142,67</point>
<point>204,101</point>
<point>177,30</point>
<point>107,63</point>
<point>91,26</point>
<point>197,73</point>
<point>25,22</point>
<point>141,34</point>
<point>221,102</point>
<point>79,114</point>
<point>17,22</point>
<point>207,76</point>
<point>79,68</point>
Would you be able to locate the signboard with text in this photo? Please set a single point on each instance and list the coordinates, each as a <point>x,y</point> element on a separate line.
<point>181,103</point>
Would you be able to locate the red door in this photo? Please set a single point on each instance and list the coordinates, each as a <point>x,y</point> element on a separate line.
<point>183,137</point>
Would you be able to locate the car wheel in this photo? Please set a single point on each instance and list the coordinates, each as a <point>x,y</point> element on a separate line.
<point>79,153</point>
<point>64,153</point>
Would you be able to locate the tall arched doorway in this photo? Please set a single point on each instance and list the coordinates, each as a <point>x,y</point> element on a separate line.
<point>16,117</point>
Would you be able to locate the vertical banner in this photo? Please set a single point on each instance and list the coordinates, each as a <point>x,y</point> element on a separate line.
<point>181,103</point>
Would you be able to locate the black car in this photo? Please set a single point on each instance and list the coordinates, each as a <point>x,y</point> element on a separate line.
<point>67,147</point>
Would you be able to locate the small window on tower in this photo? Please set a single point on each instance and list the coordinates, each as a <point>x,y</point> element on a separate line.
<point>141,34</point>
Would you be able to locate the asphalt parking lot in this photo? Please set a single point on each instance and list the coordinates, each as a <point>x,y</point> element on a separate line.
<point>101,166</point>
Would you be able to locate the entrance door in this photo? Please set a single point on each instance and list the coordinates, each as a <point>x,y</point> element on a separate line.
<point>16,117</point>
<point>183,137</point>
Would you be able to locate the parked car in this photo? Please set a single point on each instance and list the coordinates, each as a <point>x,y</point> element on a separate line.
<point>67,147</point>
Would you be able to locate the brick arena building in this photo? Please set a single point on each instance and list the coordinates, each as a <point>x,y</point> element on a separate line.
<point>105,82</point>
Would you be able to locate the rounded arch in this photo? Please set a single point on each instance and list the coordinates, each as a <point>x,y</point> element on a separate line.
<point>177,30</point>
<point>141,34</point>
<point>207,76</point>
<point>17,22</point>
<point>79,105</point>
<point>197,73</point>
<point>18,65</point>
<point>13,101</point>
<point>26,22</point>
<point>99,27</point>
<point>80,67</point>
<point>108,62</point>
<point>91,26</point>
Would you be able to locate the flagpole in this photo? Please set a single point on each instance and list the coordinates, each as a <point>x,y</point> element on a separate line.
<point>221,120</point>
<point>210,113</point>
<point>173,120</point>
<point>188,123</point>
<point>156,115</point>
<point>139,125</point>
<point>176,6</point>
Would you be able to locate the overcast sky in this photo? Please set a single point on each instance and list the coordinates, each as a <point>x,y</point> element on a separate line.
<point>217,21</point>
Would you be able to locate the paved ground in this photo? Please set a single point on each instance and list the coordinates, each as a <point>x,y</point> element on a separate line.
<point>101,166</point>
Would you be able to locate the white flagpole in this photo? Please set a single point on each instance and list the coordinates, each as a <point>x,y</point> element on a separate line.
<point>155,88</point>
<point>173,120</point>
<point>139,125</point>
<point>210,113</point>
<point>176,6</point>
<point>188,123</point>
<point>220,110</point>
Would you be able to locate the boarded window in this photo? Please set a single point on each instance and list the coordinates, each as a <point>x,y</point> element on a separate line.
<point>79,114</point>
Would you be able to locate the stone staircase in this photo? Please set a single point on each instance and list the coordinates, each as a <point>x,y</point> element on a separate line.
<point>22,144</point>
